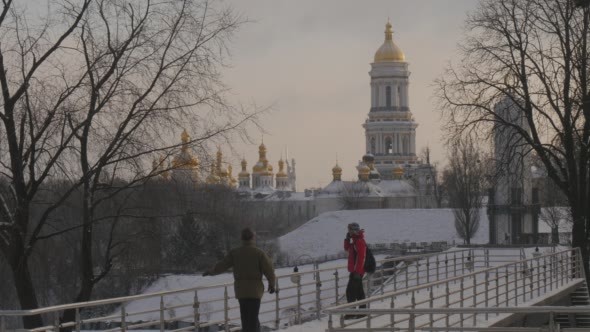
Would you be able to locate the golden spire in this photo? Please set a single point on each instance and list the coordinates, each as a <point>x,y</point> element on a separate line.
<point>219,160</point>
<point>232,181</point>
<point>389,51</point>
<point>213,178</point>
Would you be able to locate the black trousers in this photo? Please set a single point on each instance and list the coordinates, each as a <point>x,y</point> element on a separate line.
<point>249,309</point>
<point>354,290</point>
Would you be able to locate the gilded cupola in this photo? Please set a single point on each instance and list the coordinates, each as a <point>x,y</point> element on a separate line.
<point>364,172</point>
<point>184,159</point>
<point>281,173</point>
<point>389,51</point>
<point>337,172</point>
<point>244,173</point>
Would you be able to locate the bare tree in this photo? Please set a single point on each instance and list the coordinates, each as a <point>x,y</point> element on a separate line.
<point>96,104</point>
<point>35,107</point>
<point>535,53</point>
<point>353,194</point>
<point>465,181</point>
<point>553,210</point>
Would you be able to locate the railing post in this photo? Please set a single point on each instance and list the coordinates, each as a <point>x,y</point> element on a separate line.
<point>123,316</point>
<point>516,285</point>
<point>277,313</point>
<point>78,322</point>
<point>392,315</point>
<point>427,269</point>
<point>318,291</point>
<point>298,300</point>
<point>447,302</point>
<point>2,324</point>
<point>412,323</point>
<point>437,269</point>
<point>431,304</point>
<point>226,309</point>
<point>446,266</point>
<point>474,295</point>
<point>56,321</point>
<point>417,273</point>
<point>487,289</point>
<point>162,321</point>
<point>486,253</point>
<point>506,280</point>
<point>551,322</point>
<point>462,262</point>
<point>330,323</point>
<point>454,264</point>
<point>196,314</point>
<point>382,281</point>
<point>335,286</point>
<point>461,298</point>
<point>407,269</point>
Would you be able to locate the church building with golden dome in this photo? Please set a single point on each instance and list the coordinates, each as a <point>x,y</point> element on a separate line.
<point>389,175</point>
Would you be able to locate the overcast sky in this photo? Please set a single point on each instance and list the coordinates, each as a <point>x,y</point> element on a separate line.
<point>310,59</point>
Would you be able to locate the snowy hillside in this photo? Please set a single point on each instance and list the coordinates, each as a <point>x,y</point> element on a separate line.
<point>323,235</point>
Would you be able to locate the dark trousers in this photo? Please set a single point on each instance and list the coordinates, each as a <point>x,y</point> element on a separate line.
<point>249,309</point>
<point>354,290</point>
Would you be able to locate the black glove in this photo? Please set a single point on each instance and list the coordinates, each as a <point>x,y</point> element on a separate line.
<point>348,236</point>
<point>271,289</point>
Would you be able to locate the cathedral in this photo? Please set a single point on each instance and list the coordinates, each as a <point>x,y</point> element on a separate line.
<point>390,175</point>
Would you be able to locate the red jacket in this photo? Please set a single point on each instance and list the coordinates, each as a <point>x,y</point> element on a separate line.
<point>357,251</point>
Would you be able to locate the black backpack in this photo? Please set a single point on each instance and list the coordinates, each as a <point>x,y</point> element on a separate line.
<point>370,263</point>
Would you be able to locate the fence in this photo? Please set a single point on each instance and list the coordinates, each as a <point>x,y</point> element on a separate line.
<point>500,286</point>
<point>300,296</point>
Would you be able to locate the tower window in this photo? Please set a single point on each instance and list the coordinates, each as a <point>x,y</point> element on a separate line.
<point>388,145</point>
<point>399,94</point>
<point>388,96</point>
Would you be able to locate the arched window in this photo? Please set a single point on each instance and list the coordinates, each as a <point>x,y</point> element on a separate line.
<point>373,145</point>
<point>399,95</point>
<point>388,96</point>
<point>388,145</point>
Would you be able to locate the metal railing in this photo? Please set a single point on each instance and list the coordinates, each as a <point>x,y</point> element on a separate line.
<point>515,283</point>
<point>300,296</point>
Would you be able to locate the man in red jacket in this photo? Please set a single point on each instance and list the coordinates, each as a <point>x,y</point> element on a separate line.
<point>357,251</point>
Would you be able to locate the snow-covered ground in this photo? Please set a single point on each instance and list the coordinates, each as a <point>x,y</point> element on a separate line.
<point>323,235</point>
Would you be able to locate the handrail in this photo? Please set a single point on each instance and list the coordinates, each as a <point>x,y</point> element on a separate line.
<point>328,286</point>
<point>518,280</point>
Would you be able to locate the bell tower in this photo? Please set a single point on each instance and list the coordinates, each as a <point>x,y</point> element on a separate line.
<point>390,129</point>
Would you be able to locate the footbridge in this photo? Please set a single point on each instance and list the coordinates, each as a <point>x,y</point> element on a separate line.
<point>468,289</point>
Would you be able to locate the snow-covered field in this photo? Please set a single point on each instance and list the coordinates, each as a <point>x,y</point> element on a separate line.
<point>324,234</point>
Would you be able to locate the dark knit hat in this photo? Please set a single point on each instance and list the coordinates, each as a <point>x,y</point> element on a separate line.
<point>354,226</point>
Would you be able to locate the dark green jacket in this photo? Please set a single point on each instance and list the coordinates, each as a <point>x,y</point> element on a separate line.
<point>249,264</point>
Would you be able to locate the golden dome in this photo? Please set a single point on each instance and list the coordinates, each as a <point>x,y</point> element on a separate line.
<point>244,173</point>
<point>337,169</point>
<point>281,173</point>
<point>389,51</point>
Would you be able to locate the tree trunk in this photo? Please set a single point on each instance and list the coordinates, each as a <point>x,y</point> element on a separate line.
<point>25,290</point>
<point>579,235</point>
<point>555,235</point>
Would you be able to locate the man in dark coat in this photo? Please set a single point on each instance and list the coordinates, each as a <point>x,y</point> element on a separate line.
<point>249,263</point>
<point>355,245</point>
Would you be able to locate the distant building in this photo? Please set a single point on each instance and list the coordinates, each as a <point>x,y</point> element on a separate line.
<point>513,204</point>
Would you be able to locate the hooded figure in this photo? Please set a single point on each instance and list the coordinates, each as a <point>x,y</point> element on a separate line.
<point>355,245</point>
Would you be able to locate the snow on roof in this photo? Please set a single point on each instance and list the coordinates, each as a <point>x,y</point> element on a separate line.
<point>397,188</point>
<point>324,234</point>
